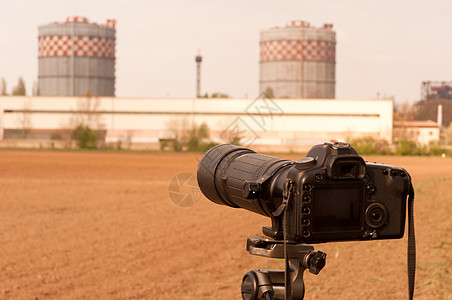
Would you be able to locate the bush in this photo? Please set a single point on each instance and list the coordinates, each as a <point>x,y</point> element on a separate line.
<point>56,136</point>
<point>177,144</point>
<point>435,149</point>
<point>406,147</point>
<point>119,145</point>
<point>204,147</point>
<point>86,138</point>
<point>235,140</point>
<point>370,146</point>
<point>194,140</point>
<point>163,145</point>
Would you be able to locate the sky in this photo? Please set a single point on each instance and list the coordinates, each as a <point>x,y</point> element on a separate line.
<point>384,48</point>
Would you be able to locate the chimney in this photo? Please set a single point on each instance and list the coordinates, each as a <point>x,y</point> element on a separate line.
<point>440,115</point>
<point>198,59</point>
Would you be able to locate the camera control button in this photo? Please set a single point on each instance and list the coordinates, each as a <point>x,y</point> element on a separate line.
<point>305,163</point>
<point>371,189</point>
<point>306,198</point>
<point>250,190</point>
<point>316,262</point>
<point>370,235</point>
<point>307,188</point>
<point>376,215</point>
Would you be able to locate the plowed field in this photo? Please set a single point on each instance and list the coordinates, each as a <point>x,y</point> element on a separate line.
<point>83,225</point>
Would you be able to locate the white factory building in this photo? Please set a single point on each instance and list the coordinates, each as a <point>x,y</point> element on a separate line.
<point>278,124</point>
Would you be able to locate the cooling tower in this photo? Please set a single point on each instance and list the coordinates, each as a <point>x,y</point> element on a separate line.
<point>77,58</point>
<point>298,61</point>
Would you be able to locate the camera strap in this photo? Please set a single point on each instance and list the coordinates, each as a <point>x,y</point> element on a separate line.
<point>411,244</point>
<point>287,195</point>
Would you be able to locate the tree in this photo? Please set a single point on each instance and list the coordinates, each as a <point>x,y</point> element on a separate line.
<point>428,110</point>
<point>19,89</point>
<point>219,95</point>
<point>3,87</point>
<point>178,129</point>
<point>187,138</point>
<point>85,123</point>
<point>405,112</point>
<point>197,136</point>
<point>215,95</point>
<point>35,91</point>
<point>24,120</point>
<point>269,92</point>
<point>88,113</point>
<point>86,138</point>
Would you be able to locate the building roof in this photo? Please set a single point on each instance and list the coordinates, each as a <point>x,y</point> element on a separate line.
<point>415,124</point>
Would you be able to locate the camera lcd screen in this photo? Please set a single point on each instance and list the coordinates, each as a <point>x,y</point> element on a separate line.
<point>337,209</point>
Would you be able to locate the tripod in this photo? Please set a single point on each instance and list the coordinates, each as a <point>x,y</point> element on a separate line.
<point>270,284</point>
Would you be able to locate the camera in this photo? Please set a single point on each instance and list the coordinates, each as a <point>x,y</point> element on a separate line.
<point>332,194</point>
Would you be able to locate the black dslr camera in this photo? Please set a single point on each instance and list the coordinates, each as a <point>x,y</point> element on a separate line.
<point>330,195</point>
<point>336,195</point>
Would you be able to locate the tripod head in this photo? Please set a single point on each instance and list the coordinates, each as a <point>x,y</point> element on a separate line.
<point>270,284</point>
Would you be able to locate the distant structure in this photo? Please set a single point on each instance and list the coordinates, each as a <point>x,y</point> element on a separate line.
<point>77,58</point>
<point>198,59</point>
<point>421,132</point>
<point>439,118</point>
<point>436,90</point>
<point>298,61</point>
<point>282,125</point>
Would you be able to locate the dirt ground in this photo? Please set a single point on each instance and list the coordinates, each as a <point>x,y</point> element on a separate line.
<point>81,225</point>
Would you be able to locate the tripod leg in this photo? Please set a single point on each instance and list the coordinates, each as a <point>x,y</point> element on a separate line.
<point>296,275</point>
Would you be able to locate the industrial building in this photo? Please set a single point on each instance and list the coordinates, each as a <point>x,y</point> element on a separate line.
<point>420,132</point>
<point>264,124</point>
<point>77,58</point>
<point>298,61</point>
<point>436,90</point>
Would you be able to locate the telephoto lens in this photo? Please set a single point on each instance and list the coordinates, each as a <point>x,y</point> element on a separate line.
<point>239,177</point>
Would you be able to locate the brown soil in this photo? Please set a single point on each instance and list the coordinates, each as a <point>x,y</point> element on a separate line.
<point>76,225</point>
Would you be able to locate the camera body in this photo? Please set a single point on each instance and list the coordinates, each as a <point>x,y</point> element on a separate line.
<point>332,194</point>
<point>336,196</point>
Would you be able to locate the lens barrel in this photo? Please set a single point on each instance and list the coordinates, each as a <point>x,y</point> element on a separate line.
<point>238,177</point>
